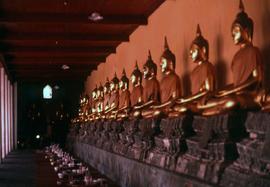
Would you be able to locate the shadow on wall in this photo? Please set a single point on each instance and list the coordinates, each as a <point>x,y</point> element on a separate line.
<point>266,49</point>
<point>186,74</point>
<point>220,66</point>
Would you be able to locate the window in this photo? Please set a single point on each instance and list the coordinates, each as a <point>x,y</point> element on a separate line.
<point>47,92</point>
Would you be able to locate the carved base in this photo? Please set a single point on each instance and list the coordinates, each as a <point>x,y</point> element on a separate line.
<point>147,127</point>
<point>140,146</point>
<point>207,170</point>
<point>177,126</point>
<point>218,149</point>
<point>131,126</point>
<point>257,123</point>
<point>170,145</point>
<point>161,159</point>
<point>253,152</point>
<point>136,152</point>
<point>250,156</point>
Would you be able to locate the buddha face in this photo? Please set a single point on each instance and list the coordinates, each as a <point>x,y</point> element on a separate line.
<point>197,54</point>
<point>133,79</point>
<point>239,34</point>
<point>98,93</point>
<point>94,95</point>
<point>146,72</point>
<point>105,89</point>
<point>194,53</point>
<point>112,86</point>
<point>121,85</point>
<point>164,65</point>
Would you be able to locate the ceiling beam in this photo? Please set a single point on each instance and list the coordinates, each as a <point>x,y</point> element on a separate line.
<point>71,19</point>
<point>34,67</point>
<point>49,78</point>
<point>57,53</point>
<point>53,49</point>
<point>61,37</point>
<point>56,61</point>
<point>50,73</point>
<point>46,49</point>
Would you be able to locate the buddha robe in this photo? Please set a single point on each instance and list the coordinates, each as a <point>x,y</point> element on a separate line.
<point>136,95</point>
<point>200,74</point>
<point>244,62</point>
<point>169,86</point>
<point>114,99</point>
<point>124,99</point>
<point>151,90</point>
<point>107,100</point>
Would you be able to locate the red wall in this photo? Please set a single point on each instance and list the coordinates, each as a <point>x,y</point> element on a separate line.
<point>177,19</point>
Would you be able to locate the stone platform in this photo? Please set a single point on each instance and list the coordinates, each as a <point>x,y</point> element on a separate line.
<point>132,173</point>
<point>223,150</point>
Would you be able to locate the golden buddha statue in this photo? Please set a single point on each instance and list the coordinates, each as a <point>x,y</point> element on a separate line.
<point>247,72</point>
<point>114,98</point>
<point>170,88</point>
<point>83,108</point>
<point>151,94</point>
<point>137,91</point>
<point>94,103</point>
<point>100,100</point>
<point>202,76</point>
<point>124,100</point>
<point>107,94</point>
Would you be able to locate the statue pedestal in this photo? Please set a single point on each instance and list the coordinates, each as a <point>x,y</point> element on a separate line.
<point>143,139</point>
<point>99,137</point>
<point>254,152</point>
<point>82,131</point>
<point>127,136</point>
<point>213,147</point>
<point>170,142</point>
<point>90,131</point>
<point>207,170</point>
<point>117,128</point>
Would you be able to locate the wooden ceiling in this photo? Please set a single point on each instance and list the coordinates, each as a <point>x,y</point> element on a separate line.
<point>37,37</point>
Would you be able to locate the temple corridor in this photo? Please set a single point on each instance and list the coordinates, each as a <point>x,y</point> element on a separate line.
<point>134,93</point>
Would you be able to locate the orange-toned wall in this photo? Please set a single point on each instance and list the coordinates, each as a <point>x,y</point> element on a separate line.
<point>177,19</point>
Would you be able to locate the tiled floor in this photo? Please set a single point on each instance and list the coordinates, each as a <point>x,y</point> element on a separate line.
<point>18,169</point>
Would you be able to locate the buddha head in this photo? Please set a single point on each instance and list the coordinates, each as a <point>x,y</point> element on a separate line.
<point>136,76</point>
<point>167,59</point>
<point>124,81</point>
<point>114,84</point>
<point>199,49</point>
<point>94,93</point>
<point>100,91</point>
<point>106,88</point>
<point>149,68</point>
<point>242,27</point>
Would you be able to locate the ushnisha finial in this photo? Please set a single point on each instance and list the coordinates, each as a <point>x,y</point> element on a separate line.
<point>149,55</point>
<point>198,32</point>
<point>166,46</point>
<point>124,72</point>
<point>241,6</point>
